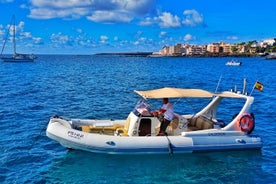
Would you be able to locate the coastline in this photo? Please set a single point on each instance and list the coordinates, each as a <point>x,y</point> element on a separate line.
<point>150,54</point>
<point>134,54</point>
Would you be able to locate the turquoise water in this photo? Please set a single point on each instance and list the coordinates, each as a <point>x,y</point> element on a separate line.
<point>102,87</point>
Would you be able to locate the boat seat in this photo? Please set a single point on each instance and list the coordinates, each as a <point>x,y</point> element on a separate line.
<point>91,128</point>
<point>123,131</point>
<point>200,123</point>
<point>175,122</point>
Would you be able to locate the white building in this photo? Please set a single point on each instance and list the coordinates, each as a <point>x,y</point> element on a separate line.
<point>267,42</point>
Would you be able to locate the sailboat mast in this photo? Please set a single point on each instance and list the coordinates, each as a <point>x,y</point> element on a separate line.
<point>8,33</point>
<point>16,57</point>
<point>13,39</point>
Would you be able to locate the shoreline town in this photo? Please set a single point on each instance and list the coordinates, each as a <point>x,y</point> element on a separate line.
<point>221,49</point>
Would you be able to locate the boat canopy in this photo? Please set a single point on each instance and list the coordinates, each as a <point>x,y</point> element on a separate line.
<point>182,93</point>
<point>174,93</point>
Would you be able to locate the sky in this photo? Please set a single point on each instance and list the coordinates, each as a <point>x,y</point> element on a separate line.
<point>96,26</point>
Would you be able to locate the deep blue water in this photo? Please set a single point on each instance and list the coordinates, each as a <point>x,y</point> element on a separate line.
<point>102,87</point>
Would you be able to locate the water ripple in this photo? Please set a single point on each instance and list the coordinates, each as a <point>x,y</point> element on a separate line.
<point>92,87</point>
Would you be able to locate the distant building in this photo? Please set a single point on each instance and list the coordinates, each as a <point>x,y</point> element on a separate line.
<point>197,50</point>
<point>216,48</point>
<point>268,42</point>
<point>165,51</point>
<point>177,49</point>
<point>186,49</point>
<point>219,48</point>
<point>213,48</point>
<point>226,47</point>
<point>241,48</point>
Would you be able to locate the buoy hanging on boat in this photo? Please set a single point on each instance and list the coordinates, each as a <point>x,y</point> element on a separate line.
<point>246,123</point>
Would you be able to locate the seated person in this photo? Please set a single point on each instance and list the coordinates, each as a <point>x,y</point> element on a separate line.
<point>167,112</point>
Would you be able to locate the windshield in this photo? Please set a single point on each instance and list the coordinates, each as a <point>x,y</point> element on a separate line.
<point>141,108</point>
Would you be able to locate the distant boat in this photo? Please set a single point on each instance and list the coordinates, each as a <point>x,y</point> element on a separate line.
<point>271,55</point>
<point>16,57</point>
<point>233,63</point>
<point>263,54</point>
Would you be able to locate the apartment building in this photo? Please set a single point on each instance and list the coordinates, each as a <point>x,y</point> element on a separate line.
<point>219,48</point>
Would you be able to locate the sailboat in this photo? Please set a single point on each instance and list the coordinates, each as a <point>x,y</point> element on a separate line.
<point>16,57</point>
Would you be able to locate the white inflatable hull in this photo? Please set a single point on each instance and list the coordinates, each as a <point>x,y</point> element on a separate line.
<point>187,142</point>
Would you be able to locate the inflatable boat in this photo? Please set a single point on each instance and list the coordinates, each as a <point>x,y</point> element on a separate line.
<point>203,130</point>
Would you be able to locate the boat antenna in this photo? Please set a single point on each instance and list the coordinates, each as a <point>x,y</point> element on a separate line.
<point>218,83</point>
<point>244,86</point>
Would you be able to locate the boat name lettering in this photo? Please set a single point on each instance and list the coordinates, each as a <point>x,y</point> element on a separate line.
<point>75,135</point>
<point>216,134</point>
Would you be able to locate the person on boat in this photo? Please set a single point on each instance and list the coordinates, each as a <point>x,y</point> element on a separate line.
<point>166,112</point>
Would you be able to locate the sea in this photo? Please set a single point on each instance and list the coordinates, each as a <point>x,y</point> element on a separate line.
<point>102,87</point>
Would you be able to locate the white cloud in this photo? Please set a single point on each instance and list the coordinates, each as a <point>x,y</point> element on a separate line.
<point>66,13</point>
<point>136,43</point>
<point>109,17</point>
<point>112,11</point>
<point>37,41</point>
<point>140,7</point>
<point>142,39</point>
<point>2,31</point>
<point>60,3</point>
<point>193,18</point>
<point>61,40</point>
<point>147,21</point>
<point>232,38</point>
<point>188,37</point>
<point>22,37</point>
<point>95,10</point>
<point>26,35</point>
<point>103,39</point>
<point>165,20</point>
<point>83,40</point>
<point>162,34</point>
<point>169,20</point>
<point>18,28</point>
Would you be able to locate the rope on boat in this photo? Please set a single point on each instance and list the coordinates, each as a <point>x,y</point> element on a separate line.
<point>170,147</point>
<point>40,134</point>
<point>37,137</point>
